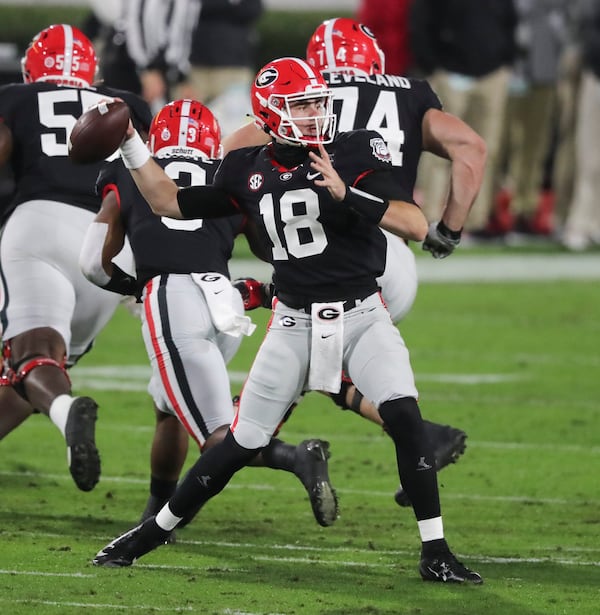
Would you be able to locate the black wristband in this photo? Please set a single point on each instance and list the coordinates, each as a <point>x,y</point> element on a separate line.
<point>121,282</point>
<point>446,232</point>
<point>366,205</point>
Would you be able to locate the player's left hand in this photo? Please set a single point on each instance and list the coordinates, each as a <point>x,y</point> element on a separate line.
<point>438,241</point>
<point>331,180</point>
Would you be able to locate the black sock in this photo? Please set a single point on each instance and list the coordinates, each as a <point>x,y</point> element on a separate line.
<point>279,455</point>
<point>160,492</point>
<point>416,463</point>
<point>209,475</point>
<point>162,489</point>
<point>431,548</point>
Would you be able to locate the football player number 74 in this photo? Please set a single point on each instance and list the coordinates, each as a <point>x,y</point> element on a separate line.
<point>299,233</point>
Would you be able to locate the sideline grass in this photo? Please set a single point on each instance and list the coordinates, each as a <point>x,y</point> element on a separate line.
<point>515,365</point>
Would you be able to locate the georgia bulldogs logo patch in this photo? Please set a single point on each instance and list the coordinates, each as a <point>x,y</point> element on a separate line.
<point>367,31</point>
<point>328,313</point>
<point>380,150</point>
<point>266,77</point>
<point>255,181</point>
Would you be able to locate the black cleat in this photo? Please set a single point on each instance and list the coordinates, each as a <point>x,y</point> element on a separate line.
<point>311,468</point>
<point>445,568</point>
<point>84,460</point>
<point>127,548</point>
<point>449,443</point>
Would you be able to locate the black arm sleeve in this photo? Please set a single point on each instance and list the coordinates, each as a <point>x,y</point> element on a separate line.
<point>205,202</point>
<point>383,185</point>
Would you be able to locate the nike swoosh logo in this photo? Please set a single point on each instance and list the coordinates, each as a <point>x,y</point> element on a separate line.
<point>324,337</point>
<point>310,176</point>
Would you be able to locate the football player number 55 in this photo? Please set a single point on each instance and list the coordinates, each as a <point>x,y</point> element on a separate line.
<point>54,142</point>
<point>300,233</point>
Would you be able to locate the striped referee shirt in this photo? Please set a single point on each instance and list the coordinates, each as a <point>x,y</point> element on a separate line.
<point>161,29</point>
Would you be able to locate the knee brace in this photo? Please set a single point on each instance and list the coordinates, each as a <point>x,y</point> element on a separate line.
<point>14,375</point>
<point>340,398</point>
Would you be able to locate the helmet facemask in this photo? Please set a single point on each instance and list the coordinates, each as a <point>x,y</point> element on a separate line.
<point>309,129</point>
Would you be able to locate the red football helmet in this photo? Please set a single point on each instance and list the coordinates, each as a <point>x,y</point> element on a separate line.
<point>60,54</point>
<point>344,45</point>
<point>284,84</point>
<point>185,128</point>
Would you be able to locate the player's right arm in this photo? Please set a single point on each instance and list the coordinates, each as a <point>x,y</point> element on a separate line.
<point>162,193</point>
<point>103,240</point>
<point>449,137</point>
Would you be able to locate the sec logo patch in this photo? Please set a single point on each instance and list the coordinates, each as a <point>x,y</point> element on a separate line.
<point>255,181</point>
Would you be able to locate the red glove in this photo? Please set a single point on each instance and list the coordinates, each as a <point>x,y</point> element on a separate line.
<point>254,293</point>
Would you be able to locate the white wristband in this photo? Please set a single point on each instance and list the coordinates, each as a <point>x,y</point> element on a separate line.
<point>134,152</point>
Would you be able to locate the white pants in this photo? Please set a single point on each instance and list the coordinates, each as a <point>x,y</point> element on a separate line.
<point>42,283</point>
<point>399,280</point>
<point>188,355</point>
<point>375,357</point>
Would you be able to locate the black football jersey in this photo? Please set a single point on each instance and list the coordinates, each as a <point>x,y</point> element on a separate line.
<point>165,245</point>
<point>392,105</point>
<point>41,117</point>
<point>320,248</point>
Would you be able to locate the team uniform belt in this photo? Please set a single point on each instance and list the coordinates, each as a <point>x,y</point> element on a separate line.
<point>304,304</point>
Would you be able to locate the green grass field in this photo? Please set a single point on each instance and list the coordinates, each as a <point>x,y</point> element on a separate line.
<point>514,364</point>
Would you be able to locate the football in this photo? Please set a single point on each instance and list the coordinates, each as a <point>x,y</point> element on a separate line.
<point>98,132</point>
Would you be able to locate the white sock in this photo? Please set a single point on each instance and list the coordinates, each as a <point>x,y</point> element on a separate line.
<point>166,520</point>
<point>431,529</point>
<point>59,411</point>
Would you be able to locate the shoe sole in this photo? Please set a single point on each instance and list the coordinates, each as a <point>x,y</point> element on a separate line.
<point>323,498</point>
<point>83,456</point>
<point>324,502</point>
<point>451,450</point>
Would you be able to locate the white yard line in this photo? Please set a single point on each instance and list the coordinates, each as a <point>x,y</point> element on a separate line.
<point>476,268</point>
<point>367,493</point>
<point>129,607</point>
<point>136,377</point>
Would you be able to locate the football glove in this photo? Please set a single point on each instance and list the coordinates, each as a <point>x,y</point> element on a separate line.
<point>440,240</point>
<point>254,293</point>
